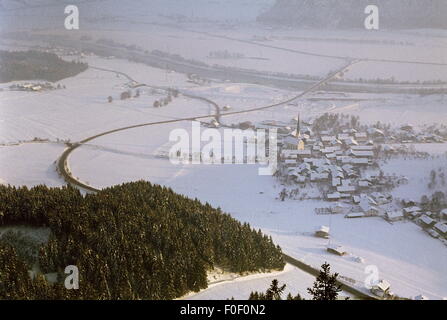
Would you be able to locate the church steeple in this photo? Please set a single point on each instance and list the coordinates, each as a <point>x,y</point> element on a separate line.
<point>300,142</point>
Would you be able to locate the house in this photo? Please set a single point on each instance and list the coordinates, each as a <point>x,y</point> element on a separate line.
<point>433,233</point>
<point>360,161</point>
<point>327,139</point>
<point>346,189</point>
<point>322,232</point>
<point>381,289</point>
<point>315,176</point>
<point>361,136</point>
<point>441,228</point>
<point>444,214</point>
<point>336,182</point>
<point>304,153</point>
<point>361,153</point>
<point>426,222</point>
<point>363,148</point>
<point>337,250</point>
<point>369,210</point>
<point>290,162</point>
<point>380,198</point>
<point>341,208</point>
<point>290,142</point>
<point>289,154</point>
<point>394,215</point>
<point>412,212</point>
<point>354,215</point>
<point>364,183</point>
<point>333,196</point>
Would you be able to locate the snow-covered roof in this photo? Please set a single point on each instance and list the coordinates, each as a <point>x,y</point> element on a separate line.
<point>426,219</point>
<point>355,215</point>
<point>362,153</point>
<point>362,148</point>
<point>394,214</point>
<point>359,161</point>
<point>337,249</point>
<point>412,209</point>
<point>335,195</point>
<point>324,229</point>
<point>441,227</point>
<point>382,285</point>
<point>346,188</point>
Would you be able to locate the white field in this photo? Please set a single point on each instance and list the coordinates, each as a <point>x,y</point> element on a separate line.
<point>297,281</point>
<point>191,43</point>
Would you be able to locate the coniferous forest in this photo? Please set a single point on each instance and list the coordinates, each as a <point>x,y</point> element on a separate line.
<point>133,241</point>
<point>35,65</point>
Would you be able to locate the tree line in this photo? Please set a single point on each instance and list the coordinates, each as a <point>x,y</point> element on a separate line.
<point>32,65</point>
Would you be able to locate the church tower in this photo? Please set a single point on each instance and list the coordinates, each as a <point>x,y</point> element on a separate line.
<point>300,141</point>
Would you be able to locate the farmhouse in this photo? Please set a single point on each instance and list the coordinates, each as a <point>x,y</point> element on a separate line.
<point>412,212</point>
<point>322,232</point>
<point>341,208</point>
<point>354,215</point>
<point>426,222</point>
<point>337,250</point>
<point>381,289</point>
<point>441,228</point>
<point>333,196</point>
<point>395,215</point>
<point>369,210</point>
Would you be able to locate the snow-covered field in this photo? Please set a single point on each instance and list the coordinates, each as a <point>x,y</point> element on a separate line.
<point>408,258</point>
<point>296,280</point>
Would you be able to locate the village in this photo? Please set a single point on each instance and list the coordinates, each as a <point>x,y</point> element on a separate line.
<point>35,86</point>
<point>341,165</point>
<point>335,159</point>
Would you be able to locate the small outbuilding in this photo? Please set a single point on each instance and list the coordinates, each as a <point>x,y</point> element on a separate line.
<point>322,232</point>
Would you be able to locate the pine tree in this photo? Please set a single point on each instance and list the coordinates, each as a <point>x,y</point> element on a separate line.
<point>325,287</point>
<point>275,291</point>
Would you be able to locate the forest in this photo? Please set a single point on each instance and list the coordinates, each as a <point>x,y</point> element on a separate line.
<point>132,241</point>
<point>36,65</point>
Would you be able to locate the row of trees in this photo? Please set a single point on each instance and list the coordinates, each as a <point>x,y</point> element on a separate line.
<point>134,241</point>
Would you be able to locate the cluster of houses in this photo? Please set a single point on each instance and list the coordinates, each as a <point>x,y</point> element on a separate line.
<point>407,133</point>
<point>337,161</point>
<point>34,87</point>
<point>344,166</point>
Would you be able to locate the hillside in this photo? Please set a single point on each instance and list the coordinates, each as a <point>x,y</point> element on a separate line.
<point>396,14</point>
<point>134,241</point>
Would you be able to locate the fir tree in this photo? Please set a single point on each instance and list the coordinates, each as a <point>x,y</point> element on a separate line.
<point>325,287</point>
